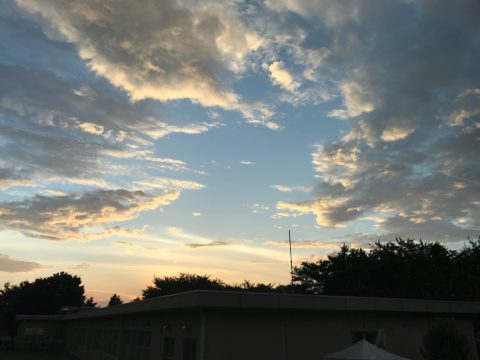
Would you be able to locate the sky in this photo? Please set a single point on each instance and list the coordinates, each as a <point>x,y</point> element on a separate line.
<point>147,138</point>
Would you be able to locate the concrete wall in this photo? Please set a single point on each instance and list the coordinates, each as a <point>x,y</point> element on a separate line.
<point>134,337</point>
<point>231,334</point>
<point>40,334</point>
<point>293,335</point>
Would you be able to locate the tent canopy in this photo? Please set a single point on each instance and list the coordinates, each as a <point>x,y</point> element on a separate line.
<point>363,350</point>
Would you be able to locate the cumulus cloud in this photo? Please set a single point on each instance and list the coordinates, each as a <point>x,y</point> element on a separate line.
<point>357,100</point>
<point>395,133</point>
<point>77,217</point>
<point>281,77</point>
<point>7,264</point>
<point>165,50</point>
<point>411,96</point>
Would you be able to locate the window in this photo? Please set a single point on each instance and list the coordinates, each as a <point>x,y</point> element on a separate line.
<point>189,349</point>
<point>168,348</point>
<point>34,331</point>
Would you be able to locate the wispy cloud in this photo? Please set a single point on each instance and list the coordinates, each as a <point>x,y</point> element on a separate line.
<point>8,264</point>
<point>73,217</point>
<point>286,189</point>
<point>210,244</point>
<point>81,266</point>
<point>169,183</point>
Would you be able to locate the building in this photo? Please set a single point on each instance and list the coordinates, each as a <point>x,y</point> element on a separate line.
<point>218,325</point>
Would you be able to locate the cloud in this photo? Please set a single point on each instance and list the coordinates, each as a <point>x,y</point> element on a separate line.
<point>181,50</point>
<point>169,183</point>
<point>395,133</point>
<point>357,100</point>
<point>281,77</point>
<point>246,162</point>
<point>307,244</point>
<point>286,189</point>
<point>81,266</point>
<point>209,244</point>
<point>196,214</point>
<point>127,244</point>
<point>7,264</point>
<point>51,132</point>
<point>77,216</point>
<point>173,230</point>
<point>412,103</point>
<point>259,208</point>
<point>13,177</point>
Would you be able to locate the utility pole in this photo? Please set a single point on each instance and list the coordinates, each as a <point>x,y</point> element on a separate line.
<point>291,261</point>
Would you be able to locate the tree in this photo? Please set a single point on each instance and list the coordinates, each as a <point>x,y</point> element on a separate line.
<point>187,282</point>
<point>443,341</point>
<point>402,269</point>
<point>184,282</point>
<point>115,300</point>
<point>44,296</point>
<point>90,302</point>
<point>254,287</point>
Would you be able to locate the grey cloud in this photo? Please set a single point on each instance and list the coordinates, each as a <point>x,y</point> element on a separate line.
<point>75,217</point>
<point>210,244</point>
<point>409,81</point>
<point>59,127</point>
<point>162,50</point>
<point>12,176</point>
<point>7,264</point>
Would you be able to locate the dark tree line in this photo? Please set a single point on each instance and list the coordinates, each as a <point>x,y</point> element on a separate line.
<point>401,269</point>
<point>41,296</point>
<point>168,285</point>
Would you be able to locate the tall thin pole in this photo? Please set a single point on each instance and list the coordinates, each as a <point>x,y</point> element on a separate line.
<point>291,260</point>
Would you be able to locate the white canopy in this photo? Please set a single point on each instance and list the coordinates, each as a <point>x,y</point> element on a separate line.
<point>363,350</point>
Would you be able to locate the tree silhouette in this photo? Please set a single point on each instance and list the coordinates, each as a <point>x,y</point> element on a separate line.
<point>184,282</point>
<point>42,296</point>
<point>115,300</point>
<point>90,302</point>
<point>401,269</point>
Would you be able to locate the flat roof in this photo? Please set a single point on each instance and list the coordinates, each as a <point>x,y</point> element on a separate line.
<point>244,300</point>
<point>40,317</point>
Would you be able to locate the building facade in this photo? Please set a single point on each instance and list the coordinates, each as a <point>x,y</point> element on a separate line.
<point>217,325</point>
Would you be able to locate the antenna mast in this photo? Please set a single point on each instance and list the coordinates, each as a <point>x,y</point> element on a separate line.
<point>291,261</point>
